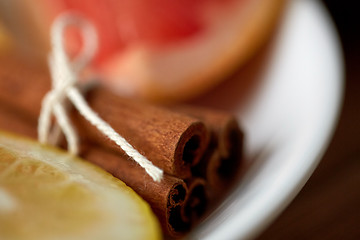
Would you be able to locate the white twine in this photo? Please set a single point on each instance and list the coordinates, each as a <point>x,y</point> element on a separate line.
<point>64,75</point>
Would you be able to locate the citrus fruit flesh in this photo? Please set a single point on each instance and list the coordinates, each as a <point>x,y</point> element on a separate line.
<point>48,194</point>
<point>163,50</point>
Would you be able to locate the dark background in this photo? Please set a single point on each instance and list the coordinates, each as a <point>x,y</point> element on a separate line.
<point>328,207</point>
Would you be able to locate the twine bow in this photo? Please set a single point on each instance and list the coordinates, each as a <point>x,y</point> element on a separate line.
<point>64,75</point>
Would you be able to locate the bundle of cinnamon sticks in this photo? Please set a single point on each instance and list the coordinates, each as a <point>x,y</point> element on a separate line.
<point>200,150</point>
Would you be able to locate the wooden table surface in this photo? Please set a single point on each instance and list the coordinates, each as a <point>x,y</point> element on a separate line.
<point>328,207</point>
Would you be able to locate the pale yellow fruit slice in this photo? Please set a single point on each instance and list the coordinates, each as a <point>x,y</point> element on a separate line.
<point>48,194</point>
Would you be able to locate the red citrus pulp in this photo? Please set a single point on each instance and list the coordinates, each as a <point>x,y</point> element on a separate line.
<point>161,49</point>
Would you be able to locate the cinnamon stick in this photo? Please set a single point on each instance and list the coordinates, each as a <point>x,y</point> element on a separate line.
<point>172,141</point>
<point>14,121</point>
<point>166,198</point>
<point>221,164</point>
<point>196,202</point>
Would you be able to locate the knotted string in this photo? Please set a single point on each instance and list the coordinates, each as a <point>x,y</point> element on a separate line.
<point>64,75</point>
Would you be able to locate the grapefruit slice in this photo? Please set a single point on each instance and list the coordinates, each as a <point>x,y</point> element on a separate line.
<point>167,50</point>
<point>48,194</point>
<point>189,67</point>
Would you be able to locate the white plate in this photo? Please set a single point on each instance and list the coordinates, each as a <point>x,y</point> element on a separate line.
<point>288,123</point>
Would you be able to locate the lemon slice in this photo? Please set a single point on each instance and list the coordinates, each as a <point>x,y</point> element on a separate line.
<point>48,194</point>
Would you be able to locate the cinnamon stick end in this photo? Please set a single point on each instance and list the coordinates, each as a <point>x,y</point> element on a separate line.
<point>190,149</point>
